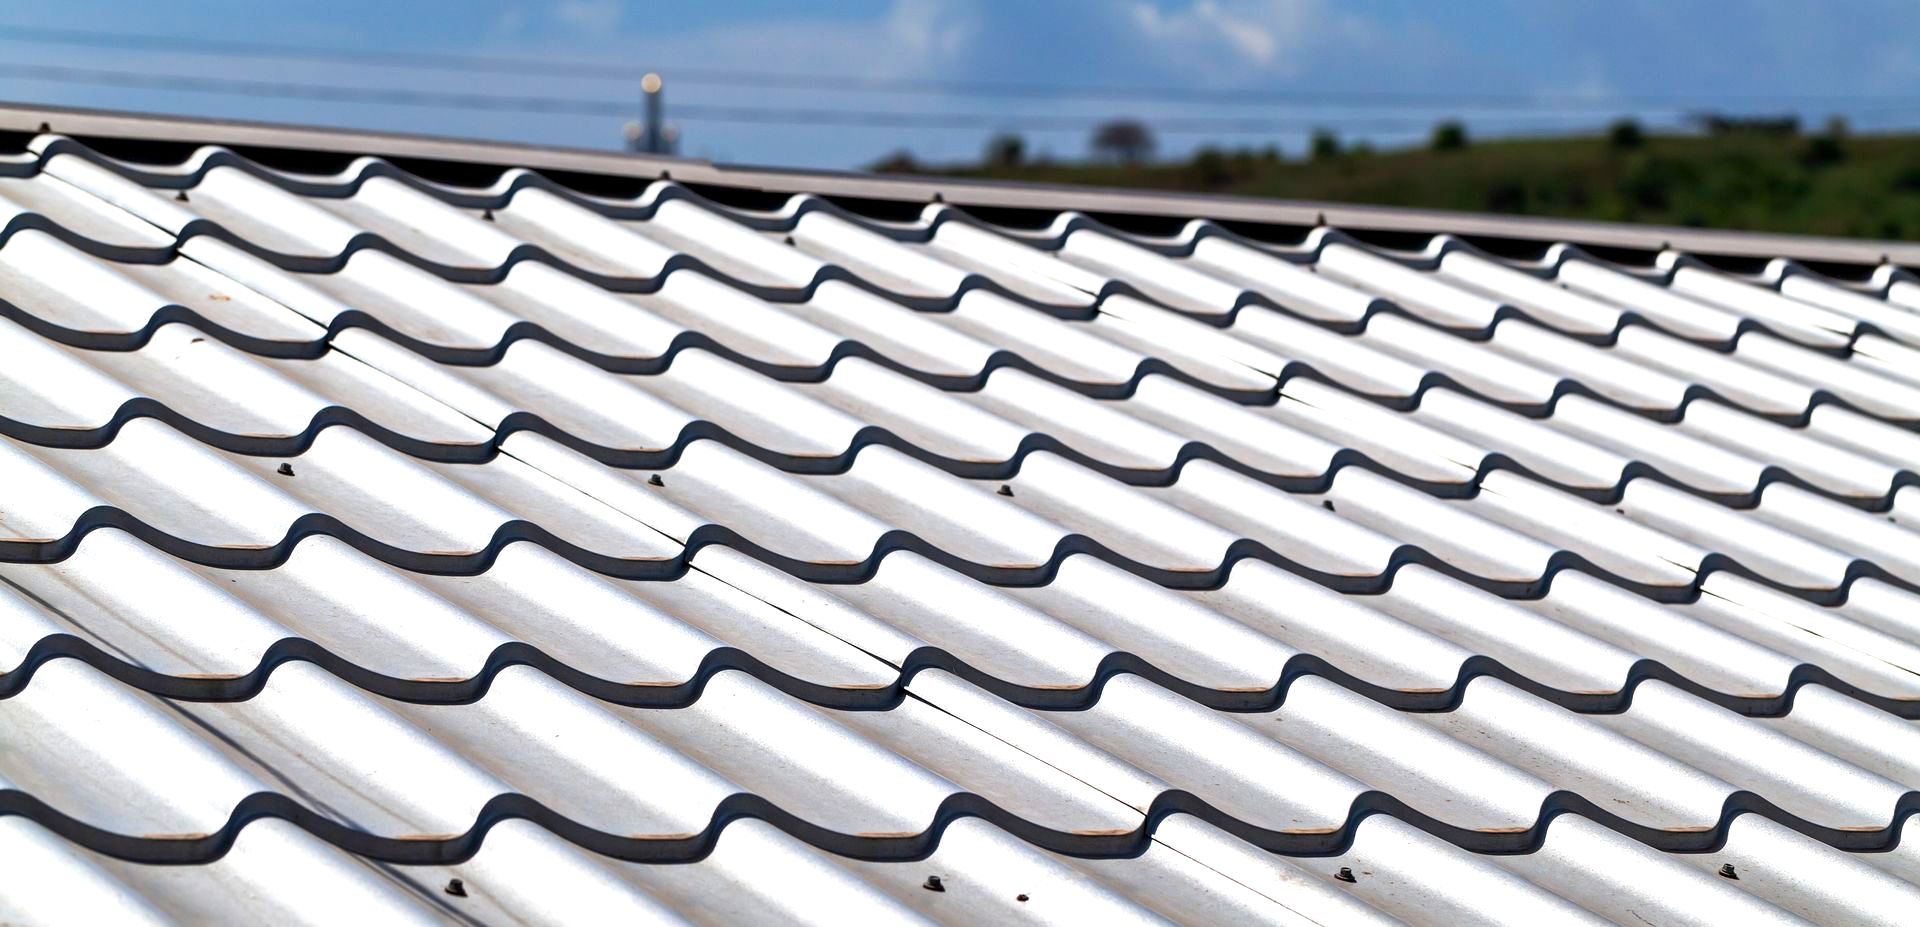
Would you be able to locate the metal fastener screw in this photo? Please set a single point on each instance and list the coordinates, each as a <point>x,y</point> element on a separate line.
<point>933,884</point>
<point>1345,875</point>
<point>1020,897</point>
<point>1726,872</point>
<point>180,197</point>
<point>655,480</point>
<point>1005,490</point>
<point>456,888</point>
<point>285,469</point>
<point>1327,504</point>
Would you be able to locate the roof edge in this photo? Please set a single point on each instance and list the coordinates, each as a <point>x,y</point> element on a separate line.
<point>85,123</point>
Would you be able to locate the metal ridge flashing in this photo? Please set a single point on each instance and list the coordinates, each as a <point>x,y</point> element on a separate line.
<point>91,123</point>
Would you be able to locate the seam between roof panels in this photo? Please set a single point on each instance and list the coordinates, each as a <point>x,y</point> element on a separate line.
<point>722,658</point>
<point>920,845</point>
<point>1805,628</point>
<point>1431,378</point>
<point>1034,442</point>
<point>1153,834</point>
<point>964,804</point>
<point>380,869</point>
<point>896,539</point>
<point>468,563</point>
<point>905,683</point>
<point>848,348</point>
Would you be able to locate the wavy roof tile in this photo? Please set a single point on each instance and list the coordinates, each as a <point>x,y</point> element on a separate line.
<point>373,546</point>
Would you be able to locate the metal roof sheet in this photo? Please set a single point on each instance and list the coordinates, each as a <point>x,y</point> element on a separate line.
<point>379,548</point>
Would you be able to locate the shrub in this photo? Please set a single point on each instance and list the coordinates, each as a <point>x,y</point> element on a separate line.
<point>1449,136</point>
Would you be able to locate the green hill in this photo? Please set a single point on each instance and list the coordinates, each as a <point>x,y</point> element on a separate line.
<point>1855,186</point>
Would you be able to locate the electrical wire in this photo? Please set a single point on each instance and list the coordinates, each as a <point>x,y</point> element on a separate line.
<point>696,112</point>
<point>844,83</point>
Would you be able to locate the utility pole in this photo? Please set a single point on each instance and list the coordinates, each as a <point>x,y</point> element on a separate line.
<point>651,135</point>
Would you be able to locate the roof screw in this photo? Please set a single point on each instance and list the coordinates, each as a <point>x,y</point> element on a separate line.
<point>1345,875</point>
<point>938,198</point>
<point>655,480</point>
<point>456,888</point>
<point>486,214</point>
<point>1005,490</point>
<point>666,175</point>
<point>180,197</point>
<point>788,239</point>
<point>1020,897</point>
<point>46,127</point>
<point>1726,872</point>
<point>286,469</point>
<point>1327,504</point>
<point>933,884</point>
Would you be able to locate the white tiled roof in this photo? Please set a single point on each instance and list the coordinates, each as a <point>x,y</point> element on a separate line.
<point>379,549</point>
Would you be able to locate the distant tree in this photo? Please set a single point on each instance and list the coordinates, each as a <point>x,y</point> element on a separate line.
<point>1625,134</point>
<point>1723,124</point>
<point>899,162</point>
<point>1829,147</point>
<point>1005,150</point>
<point>1127,141</point>
<point>1449,136</point>
<point>1270,154</point>
<point>1211,168</point>
<point>1325,145</point>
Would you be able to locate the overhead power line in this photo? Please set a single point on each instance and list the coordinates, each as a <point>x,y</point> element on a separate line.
<point>810,116</point>
<point>846,83</point>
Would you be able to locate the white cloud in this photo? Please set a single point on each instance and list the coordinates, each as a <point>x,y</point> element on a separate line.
<point>1271,36</point>
<point>1585,80</point>
<point>929,28</point>
<point>1205,22</point>
<point>510,21</point>
<point>589,15</point>
<point>914,38</point>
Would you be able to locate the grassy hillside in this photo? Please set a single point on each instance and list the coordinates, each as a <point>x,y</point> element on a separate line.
<point>1858,186</point>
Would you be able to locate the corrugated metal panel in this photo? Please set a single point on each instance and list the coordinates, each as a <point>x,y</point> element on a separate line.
<point>661,560</point>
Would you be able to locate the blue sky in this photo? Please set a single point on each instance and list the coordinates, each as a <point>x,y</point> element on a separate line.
<point>1551,65</point>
